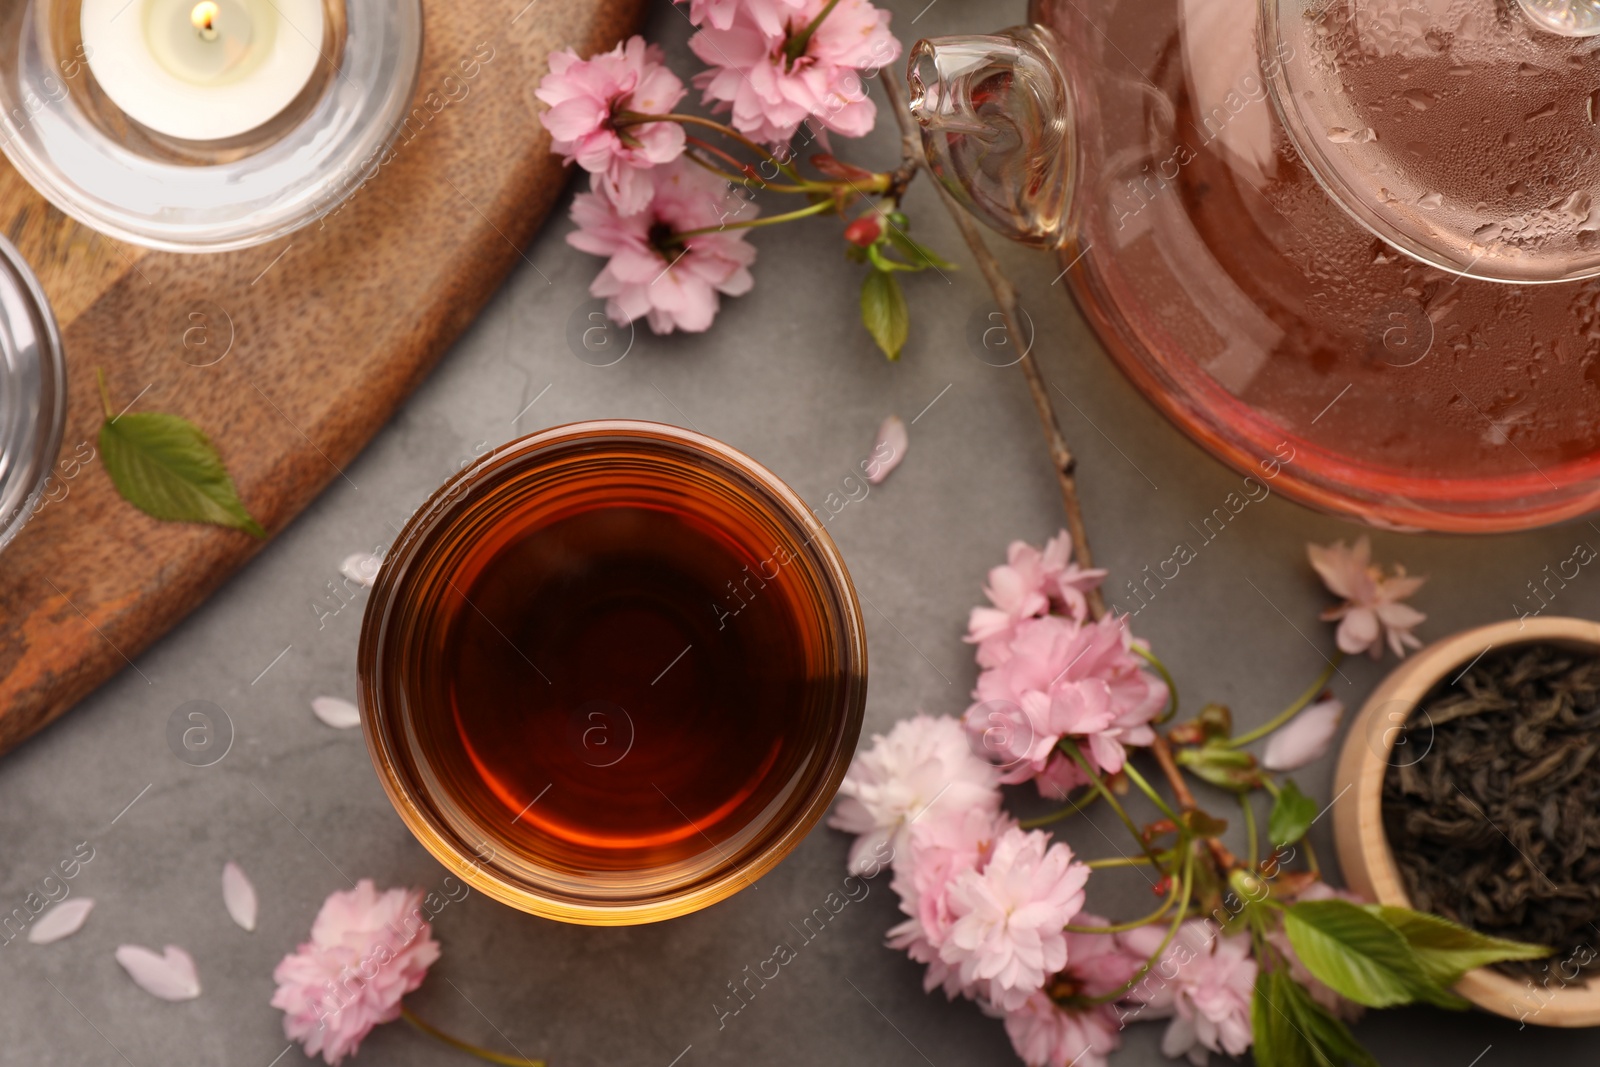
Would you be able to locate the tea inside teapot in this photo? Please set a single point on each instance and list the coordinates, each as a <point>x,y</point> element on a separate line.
<point>1224,242</point>
<point>1464,133</point>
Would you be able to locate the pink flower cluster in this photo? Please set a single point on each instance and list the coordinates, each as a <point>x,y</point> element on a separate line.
<point>986,902</point>
<point>747,46</point>
<point>660,223</point>
<point>995,911</point>
<point>1051,673</point>
<point>585,96</point>
<point>368,949</point>
<point>672,233</point>
<point>987,905</point>
<point>1204,982</point>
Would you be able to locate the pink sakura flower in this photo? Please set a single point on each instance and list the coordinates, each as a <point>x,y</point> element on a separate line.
<point>1372,610</point>
<point>772,16</point>
<point>923,770</point>
<point>939,849</point>
<point>1029,584</point>
<point>1046,1034</point>
<point>770,95</point>
<point>367,950</point>
<point>1204,981</point>
<point>674,283</point>
<point>1062,678</point>
<point>1007,937</point>
<point>1305,738</point>
<point>585,95</point>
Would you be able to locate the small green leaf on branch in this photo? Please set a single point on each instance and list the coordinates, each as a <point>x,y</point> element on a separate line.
<point>884,312</point>
<point>919,256</point>
<point>1292,815</point>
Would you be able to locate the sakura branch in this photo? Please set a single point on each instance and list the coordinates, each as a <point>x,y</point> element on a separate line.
<point>1242,952</point>
<point>672,194</point>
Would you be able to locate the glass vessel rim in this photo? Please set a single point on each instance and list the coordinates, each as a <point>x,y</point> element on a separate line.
<point>38,456</point>
<point>410,799</point>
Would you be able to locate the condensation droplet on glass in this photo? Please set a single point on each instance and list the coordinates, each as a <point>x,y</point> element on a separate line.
<point>1420,99</point>
<point>1340,135</point>
<point>1577,206</point>
<point>1569,18</point>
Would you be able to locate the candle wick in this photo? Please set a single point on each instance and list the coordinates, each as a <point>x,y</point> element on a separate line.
<point>204,19</point>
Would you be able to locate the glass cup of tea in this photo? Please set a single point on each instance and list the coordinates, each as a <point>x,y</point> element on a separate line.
<point>612,672</point>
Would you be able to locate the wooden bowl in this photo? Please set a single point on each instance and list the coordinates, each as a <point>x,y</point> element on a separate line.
<point>1364,854</point>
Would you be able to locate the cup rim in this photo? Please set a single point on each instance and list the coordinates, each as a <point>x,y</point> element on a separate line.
<point>1365,855</point>
<point>21,488</point>
<point>408,798</point>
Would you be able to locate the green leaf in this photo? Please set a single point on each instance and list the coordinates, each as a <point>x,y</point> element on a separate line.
<point>884,263</point>
<point>919,256</point>
<point>1274,1039</point>
<point>1292,815</point>
<point>167,468</point>
<point>1360,957</point>
<point>884,312</point>
<point>1447,951</point>
<point>1292,1030</point>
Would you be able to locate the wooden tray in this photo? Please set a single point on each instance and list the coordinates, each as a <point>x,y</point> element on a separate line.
<point>331,328</point>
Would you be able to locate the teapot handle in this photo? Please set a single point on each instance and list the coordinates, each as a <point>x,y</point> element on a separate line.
<point>997,121</point>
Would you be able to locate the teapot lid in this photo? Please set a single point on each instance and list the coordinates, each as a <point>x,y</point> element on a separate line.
<point>1463,132</point>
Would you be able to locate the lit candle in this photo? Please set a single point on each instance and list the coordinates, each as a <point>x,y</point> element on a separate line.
<point>206,70</point>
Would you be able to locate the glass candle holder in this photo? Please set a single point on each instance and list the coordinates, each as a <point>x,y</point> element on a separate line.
<point>33,393</point>
<point>612,673</point>
<point>203,125</point>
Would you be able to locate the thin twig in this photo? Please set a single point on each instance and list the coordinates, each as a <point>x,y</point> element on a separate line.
<point>1005,297</point>
<point>1162,750</point>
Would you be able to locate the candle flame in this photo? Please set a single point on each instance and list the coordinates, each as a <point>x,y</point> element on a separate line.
<point>204,18</point>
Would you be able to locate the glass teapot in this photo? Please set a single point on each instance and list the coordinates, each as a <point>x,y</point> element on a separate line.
<point>1352,247</point>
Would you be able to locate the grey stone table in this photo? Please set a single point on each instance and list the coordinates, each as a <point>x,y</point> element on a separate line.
<point>788,376</point>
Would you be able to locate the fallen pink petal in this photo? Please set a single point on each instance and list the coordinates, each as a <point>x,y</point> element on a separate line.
<point>238,896</point>
<point>888,450</point>
<point>336,712</point>
<point>169,976</point>
<point>63,920</point>
<point>361,567</point>
<point>1305,738</point>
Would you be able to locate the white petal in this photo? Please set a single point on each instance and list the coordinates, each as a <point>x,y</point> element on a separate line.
<point>1305,739</point>
<point>63,920</point>
<point>238,895</point>
<point>361,567</point>
<point>888,450</point>
<point>870,854</point>
<point>170,976</point>
<point>1179,1038</point>
<point>339,714</point>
